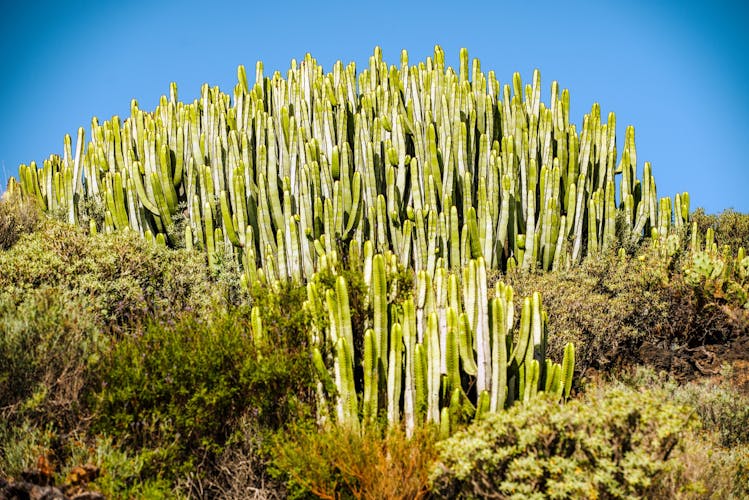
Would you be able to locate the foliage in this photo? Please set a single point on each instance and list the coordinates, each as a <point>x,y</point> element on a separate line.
<point>722,408</point>
<point>122,474</point>
<point>241,470</point>
<point>608,307</point>
<point>730,227</point>
<point>714,462</point>
<point>719,277</point>
<point>124,279</point>
<point>615,444</point>
<point>180,389</point>
<point>21,445</point>
<point>17,217</point>
<point>26,447</point>
<point>50,340</point>
<point>340,463</point>
<point>707,470</point>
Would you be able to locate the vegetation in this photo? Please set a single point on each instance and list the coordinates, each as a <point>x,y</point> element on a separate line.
<point>330,286</point>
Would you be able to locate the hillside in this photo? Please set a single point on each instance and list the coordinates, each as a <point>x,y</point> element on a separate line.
<point>404,282</point>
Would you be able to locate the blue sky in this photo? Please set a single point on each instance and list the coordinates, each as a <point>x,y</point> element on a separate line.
<point>677,71</point>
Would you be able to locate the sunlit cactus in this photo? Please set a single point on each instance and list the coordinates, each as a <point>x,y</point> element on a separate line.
<point>422,161</point>
<point>433,373</point>
<point>445,172</point>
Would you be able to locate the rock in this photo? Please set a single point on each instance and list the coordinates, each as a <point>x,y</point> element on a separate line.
<point>88,495</point>
<point>22,490</point>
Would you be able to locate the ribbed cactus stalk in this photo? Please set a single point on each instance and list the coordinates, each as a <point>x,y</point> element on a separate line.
<point>371,377</point>
<point>379,305</point>
<point>395,374</point>
<point>347,407</point>
<point>408,158</point>
<point>443,172</point>
<point>498,324</point>
<point>567,370</point>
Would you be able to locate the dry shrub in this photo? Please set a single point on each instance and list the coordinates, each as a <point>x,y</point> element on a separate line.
<point>17,217</point>
<point>240,472</point>
<point>49,341</point>
<point>706,470</point>
<point>339,463</point>
<point>607,307</point>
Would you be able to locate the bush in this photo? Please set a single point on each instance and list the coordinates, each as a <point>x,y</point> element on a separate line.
<point>125,279</point>
<point>17,217</point>
<point>708,470</point>
<point>608,307</point>
<point>614,444</point>
<point>721,407</point>
<point>49,342</point>
<point>180,390</point>
<point>731,227</point>
<point>241,471</point>
<point>625,310</point>
<point>340,463</point>
<point>21,446</point>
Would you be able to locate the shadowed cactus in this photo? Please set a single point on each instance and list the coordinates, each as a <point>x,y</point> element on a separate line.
<point>432,373</point>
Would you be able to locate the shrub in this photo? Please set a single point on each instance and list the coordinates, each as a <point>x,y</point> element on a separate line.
<point>731,227</point>
<point>21,445</point>
<point>607,307</point>
<point>614,444</point>
<point>113,472</point>
<point>707,470</point>
<point>340,463</point>
<point>180,389</point>
<point>49,342</point>
<point>17,217</point>
<point>241,470</point>
<point>125,279</point>
<point>721,407</point>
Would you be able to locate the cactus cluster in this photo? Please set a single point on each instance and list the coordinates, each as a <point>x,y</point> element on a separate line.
<point>420,160</point>
<point>718,271</point>
<point>405,166</point>
<point>448,351</point>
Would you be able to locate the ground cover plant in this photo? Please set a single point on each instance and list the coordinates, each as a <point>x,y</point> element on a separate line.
<point>411,281</point>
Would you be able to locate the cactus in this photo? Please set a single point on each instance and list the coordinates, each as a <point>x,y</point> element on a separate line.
<point>308,164</point>
<point>428,379</point>
<point>443,172</point>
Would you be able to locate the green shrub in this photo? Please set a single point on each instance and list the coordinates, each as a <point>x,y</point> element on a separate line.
<point>21,445</point>
<point>180,389</point>
<point>607,307</point>
<point>119,474</point>
<point>615,444</point>
<point>341,463</point>
<point>50,339</point>
<point>731,227</point>
<point>125,279</point>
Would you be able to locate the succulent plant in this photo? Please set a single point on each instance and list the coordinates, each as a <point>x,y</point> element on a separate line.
<point>421,160</point>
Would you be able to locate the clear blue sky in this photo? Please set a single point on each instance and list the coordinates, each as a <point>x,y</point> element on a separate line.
<point>677,71</point>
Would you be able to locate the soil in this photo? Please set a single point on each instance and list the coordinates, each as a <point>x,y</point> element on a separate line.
<point>704,361</point>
